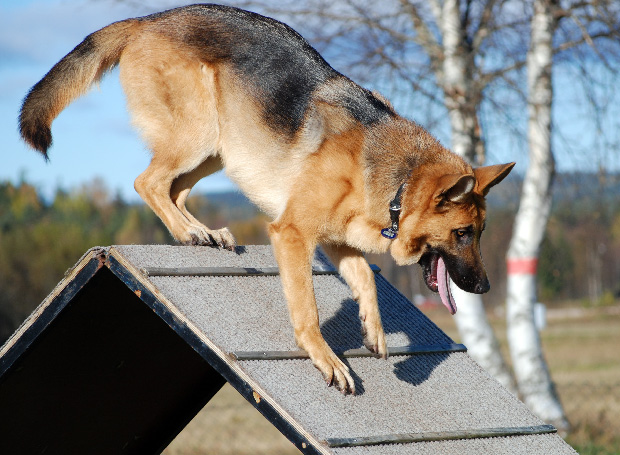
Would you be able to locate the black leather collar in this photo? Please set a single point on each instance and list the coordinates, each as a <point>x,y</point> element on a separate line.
<point>395,206</point>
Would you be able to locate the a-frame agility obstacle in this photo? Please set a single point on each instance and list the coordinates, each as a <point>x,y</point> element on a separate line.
<point>135,340</point>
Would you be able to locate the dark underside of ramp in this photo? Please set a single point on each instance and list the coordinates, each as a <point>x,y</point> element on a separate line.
<point>107,375</point>
<point>137,339</point>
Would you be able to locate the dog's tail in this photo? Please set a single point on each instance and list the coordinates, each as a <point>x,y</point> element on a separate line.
<point>70,78</point>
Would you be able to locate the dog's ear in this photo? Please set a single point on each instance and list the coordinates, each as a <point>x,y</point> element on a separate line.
<point>454,188</point>
<point>489,176</point>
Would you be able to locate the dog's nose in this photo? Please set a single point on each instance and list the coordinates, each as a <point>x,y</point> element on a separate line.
<point>482,287</point>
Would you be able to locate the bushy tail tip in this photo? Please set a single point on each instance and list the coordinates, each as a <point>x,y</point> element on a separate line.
<point>38,137</point>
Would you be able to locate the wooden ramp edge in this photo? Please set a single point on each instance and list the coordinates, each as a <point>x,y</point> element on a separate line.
<point>128,348</point>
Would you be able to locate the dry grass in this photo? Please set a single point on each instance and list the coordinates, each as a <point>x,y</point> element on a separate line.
<point>229,425</point>
<point>584,358</point>
<point>582,348</point>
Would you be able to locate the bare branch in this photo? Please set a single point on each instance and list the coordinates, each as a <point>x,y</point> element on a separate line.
<point>486,78</point>
<point>426,39</point>
<point>484,24</point>
<point>435,7</point>
<point>584,31</point>
<point>581,15</point>
<point>591,38</point>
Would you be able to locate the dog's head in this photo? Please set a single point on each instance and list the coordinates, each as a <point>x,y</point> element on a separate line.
<point>440,226</point>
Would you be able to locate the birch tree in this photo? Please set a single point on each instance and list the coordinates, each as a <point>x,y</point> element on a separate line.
<point>462,94</point>
<point>530,368</point>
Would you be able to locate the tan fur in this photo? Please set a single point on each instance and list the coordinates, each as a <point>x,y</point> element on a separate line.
<point>330,184</point>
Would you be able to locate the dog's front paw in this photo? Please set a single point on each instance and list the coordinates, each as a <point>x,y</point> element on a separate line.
<point>335,373</point>
<point>374,337</point>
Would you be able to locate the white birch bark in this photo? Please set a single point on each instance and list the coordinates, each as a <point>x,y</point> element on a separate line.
<point>471,320</point>
<point>533,379</point>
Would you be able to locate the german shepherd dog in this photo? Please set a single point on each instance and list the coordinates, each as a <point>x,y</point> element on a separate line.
<point>332,163</point>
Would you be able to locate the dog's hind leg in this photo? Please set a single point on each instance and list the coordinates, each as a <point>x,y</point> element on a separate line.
<point>171,96</point>
<point>353,267</point>
<point>181,187</point>
<point>154,185</point>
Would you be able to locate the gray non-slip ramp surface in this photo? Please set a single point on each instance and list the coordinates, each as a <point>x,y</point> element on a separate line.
<point>443,400</point>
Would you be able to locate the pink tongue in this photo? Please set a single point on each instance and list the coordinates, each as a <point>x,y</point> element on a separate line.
<point>443,281</point>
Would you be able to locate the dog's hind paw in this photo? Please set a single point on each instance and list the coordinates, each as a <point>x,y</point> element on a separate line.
<point>222,238</point>
<point>210,237</point>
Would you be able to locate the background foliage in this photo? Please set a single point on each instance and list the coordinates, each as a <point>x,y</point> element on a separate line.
<point>40,239</point>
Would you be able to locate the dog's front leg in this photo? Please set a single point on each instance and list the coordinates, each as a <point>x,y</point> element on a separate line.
<point>294,253</point>
<point>360,278</point>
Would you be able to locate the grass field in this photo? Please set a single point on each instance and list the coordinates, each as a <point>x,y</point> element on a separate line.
<point>582,347</point>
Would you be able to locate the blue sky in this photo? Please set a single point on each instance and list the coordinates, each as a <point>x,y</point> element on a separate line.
<point>93,137</point>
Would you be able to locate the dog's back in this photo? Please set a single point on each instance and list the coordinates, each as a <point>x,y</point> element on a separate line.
<point>276,64</point>
<point>279,66</point>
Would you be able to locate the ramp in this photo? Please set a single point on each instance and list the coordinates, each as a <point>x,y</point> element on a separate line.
<point>137,339</point>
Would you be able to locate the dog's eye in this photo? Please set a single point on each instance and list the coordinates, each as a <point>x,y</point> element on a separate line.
<point>463,234</point>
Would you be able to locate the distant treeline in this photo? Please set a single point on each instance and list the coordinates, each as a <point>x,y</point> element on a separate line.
<point>40,239</point>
